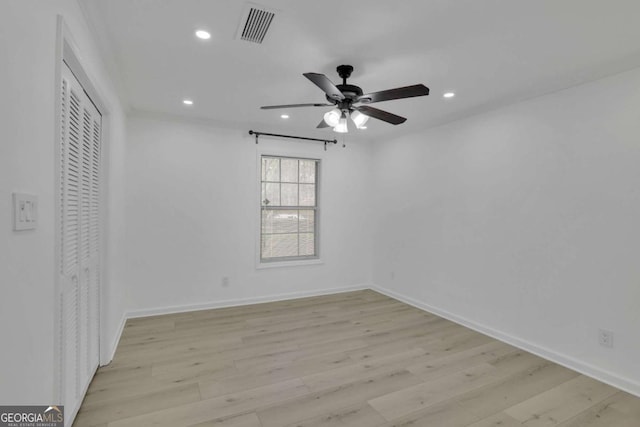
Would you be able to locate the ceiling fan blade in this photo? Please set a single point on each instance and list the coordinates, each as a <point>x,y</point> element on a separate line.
<point>322,125</point>
<point>273,107</point>
<point>385,116</point>
<point>326,85</point>
<point>397,93</point>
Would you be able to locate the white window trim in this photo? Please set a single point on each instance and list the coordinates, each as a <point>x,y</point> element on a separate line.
<point>309,261</point>
<point>293,263</point>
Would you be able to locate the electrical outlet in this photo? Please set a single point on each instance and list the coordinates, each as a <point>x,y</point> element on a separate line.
<point>605,338</point>
<point>225,281</point>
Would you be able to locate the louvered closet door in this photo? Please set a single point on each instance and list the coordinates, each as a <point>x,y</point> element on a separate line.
<point>79,241</point>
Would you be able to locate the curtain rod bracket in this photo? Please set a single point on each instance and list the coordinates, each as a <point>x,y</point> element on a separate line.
<point>254,133</point>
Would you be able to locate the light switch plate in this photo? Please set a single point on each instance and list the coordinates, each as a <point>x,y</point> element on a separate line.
<point>25,211</point>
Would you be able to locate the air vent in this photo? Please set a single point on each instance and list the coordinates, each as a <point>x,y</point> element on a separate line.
<point>255,23</point>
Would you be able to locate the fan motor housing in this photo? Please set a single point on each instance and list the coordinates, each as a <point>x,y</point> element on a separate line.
<point>350,92</point>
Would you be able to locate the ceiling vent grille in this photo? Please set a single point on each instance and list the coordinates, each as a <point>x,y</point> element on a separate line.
<point>255,23</point>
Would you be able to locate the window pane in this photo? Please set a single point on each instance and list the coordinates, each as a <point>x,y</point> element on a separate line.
<point>279,245</point>
<point>308,171</point>
<point>266,221</point>
<point>289,195</point>
<point>307,195</point>
<point>271,194</point>
<point>289,168</point>
<point>280,221</point>
<point>307,244</point>
<point>270,169</point>
<point>306,221</point>
<point>265,247</point>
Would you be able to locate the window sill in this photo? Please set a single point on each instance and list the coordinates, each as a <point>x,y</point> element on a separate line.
<point>280,264</point>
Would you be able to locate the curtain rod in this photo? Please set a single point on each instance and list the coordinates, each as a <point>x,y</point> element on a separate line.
<point>326,141</point>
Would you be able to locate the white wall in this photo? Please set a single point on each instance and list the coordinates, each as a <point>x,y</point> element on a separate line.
<point>525,222</point>
<point>27,159</point>
<point>522,221</point>
<point>192,217</point>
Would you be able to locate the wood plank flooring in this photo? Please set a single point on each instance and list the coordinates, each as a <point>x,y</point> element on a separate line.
<point>351,359</point>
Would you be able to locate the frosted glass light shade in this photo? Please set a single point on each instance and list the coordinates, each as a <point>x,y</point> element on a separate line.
<point>359,119</point>
<point>341,127</point>
<point>332,118</point>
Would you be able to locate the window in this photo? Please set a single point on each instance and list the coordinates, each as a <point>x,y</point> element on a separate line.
<point>289,209</point>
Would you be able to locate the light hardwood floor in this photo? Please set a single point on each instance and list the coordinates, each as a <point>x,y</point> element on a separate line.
<point>351,359</point>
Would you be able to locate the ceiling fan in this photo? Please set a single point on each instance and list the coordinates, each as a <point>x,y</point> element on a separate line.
<point>346,99</point>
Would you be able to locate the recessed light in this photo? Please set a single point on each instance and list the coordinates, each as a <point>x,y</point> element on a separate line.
<point>202,34</point>
<point>284,116</point>
<point>448,95</point>
<point>187,102</point>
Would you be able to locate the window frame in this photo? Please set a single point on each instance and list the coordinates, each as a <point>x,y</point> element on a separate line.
<point>292,260</point>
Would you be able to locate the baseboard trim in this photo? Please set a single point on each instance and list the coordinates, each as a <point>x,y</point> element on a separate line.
<point>240,301</point>
<point>111,351</point>
<point>589,370</point>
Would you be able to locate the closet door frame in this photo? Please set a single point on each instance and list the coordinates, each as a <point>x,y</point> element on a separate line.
<point>67,51</point>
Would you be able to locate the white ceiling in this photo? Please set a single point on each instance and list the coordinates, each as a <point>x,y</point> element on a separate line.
<point>490,52</point>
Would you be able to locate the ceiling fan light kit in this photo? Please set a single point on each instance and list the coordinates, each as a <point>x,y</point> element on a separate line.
<point>346,99</point>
